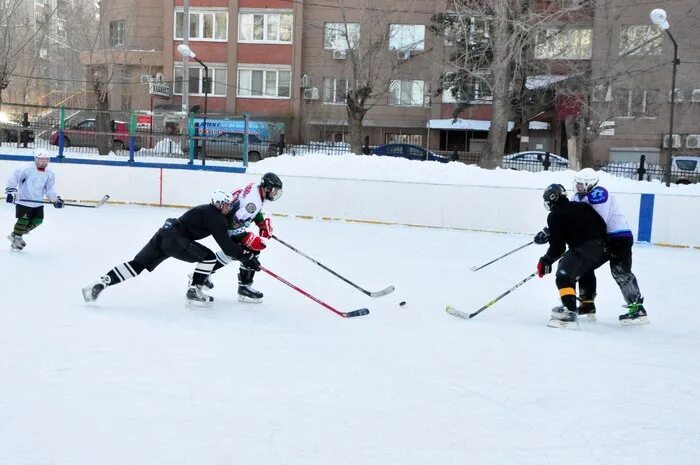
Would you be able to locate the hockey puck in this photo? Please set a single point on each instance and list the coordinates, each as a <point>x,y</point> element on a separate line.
<point>402,303</point>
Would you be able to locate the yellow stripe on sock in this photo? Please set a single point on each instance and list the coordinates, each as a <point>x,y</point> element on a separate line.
<point>566,291</point>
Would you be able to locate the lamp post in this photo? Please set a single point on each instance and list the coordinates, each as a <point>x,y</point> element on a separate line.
<point>185,51</point>
<point>658,17</point>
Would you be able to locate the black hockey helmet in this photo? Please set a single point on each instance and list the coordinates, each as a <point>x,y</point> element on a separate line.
<point>271,185</point>
<point>553,194</point>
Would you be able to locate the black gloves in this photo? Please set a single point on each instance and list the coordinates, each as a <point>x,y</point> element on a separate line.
<point>58,203</point>
<point>542,237</point>
<point>11,194</point>
<point>250,260</point>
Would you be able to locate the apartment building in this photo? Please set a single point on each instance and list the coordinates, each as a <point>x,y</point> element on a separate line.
<point>289,61</point>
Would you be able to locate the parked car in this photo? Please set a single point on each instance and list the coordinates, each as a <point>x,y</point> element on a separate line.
<point>533,161</point>
<point>83,134</point>
<point>11,132</point>
<point>229,144</point>
<point>412,152</point>
<point>685,169</point>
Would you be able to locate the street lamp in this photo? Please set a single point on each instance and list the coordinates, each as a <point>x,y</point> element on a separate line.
<point>658,17</point>
<point>185,51</point>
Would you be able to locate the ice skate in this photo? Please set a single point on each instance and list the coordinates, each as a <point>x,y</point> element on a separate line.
<point>636,315</point>
<point>587,309</point>
<point>563,318</point>
<point>247,294</point>
<point>92,292</point>
<point>197,298</point>
<point>17,243</point>
<point>207,282</point>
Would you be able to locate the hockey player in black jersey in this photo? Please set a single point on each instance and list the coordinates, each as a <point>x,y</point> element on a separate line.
<point>578,226</point>
<point>177,239</point>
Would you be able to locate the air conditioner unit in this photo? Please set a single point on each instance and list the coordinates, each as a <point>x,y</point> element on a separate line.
<point>696,96</point>
<point>676,141</point>
<point>311,93</point>
<point>305,81</point>
<point>692,141</point>
<point>339,54</point>
<point>607,128</point>
<point>679,96</point>
<point>403,54</point>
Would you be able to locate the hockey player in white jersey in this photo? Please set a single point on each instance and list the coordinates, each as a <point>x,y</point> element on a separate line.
<point>620,241</point>
<point>27,188</point>
<point>247,209</point>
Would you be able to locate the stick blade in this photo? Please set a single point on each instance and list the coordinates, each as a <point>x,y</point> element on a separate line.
<point>102,201</point>
<point>354,313</point>
<point>457,313</point>
<point>383,292</point>
<point>474,268</point>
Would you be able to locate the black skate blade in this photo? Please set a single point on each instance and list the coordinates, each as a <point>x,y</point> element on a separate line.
<point>354,313</point>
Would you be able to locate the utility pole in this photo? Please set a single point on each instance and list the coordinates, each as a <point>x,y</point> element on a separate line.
<point>185,59</point>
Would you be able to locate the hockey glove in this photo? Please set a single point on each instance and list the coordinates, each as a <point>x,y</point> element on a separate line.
<point>58,203</point>
<point>11,193</point>
<point>542,237</point>
<point>253,242</point>
<point>543,268</point>
<point>250,260</point>
<point>265,228</point>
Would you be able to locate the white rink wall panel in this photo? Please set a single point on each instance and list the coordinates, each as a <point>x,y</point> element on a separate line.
<point>676,218</point>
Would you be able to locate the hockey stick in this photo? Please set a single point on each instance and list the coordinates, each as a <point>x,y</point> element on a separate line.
<point>381,293</point>
<point>102,201</point>
<point>354,313</point>
<point>465,316</point>
<point>474,268</point>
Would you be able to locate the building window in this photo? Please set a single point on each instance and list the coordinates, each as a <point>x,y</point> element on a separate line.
<point>265,27</point>
<point>641,40</point>
<point>203,25</point>
<point>635,103</point>
<point>393,138</point>
<point>406,93</point>
<point>564,44</point>
<point>341,36</point>
<point>335,90</point>
<point>475,29</point>
<point>476,89</point>
<point>265,83</point>
<point>116,33</point>
<point>406,37</point>
<point>218,76</point>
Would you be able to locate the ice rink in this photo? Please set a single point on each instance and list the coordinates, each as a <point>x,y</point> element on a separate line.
<point>138,378</point>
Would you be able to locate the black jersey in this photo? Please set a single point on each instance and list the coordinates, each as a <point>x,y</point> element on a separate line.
<point>572,224</point>
<point>204,221</point>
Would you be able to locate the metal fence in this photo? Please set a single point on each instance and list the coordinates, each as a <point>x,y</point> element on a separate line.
<point>683,171</point>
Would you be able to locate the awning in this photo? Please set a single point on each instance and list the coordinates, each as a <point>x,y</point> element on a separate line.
<point>463,124</point>
<point>543,81</point>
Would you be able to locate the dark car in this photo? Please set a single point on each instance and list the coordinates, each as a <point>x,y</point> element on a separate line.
<point>229,144</point>
<point>12,132</point>
<point>412,152</point>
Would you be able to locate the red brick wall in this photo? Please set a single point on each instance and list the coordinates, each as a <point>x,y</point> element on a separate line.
<point>482,112</point>
<point>265,54</point>
<point>212,52</point>
<point>281,4</point>
<point>263,107</point>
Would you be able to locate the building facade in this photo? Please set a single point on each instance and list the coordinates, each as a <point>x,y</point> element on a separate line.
<point>292,62</point>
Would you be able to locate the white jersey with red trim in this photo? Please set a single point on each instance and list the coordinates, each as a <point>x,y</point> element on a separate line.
<point>33,184</point>
<point>606,206</point>
<point>247,203</point>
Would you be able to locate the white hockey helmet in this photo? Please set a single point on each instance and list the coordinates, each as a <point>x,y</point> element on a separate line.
<point>41,158</point>
<point>221,199</point>
<point>585,180</point>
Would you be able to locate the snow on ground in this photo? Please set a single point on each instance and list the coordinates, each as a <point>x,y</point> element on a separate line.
<point>138,378</point>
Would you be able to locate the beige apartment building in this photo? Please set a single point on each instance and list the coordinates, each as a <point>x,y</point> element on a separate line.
<point>287,61</point>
